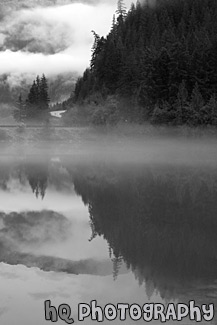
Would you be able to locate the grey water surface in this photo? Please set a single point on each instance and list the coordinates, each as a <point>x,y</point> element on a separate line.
<point>132,223</point>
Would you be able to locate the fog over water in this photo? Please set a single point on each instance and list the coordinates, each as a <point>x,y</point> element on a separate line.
<point>116,218</point>
<point>132,144</point>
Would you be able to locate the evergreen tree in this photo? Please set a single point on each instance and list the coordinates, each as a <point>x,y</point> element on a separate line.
<point>121,11</point>
<point>148,53</point>
<point>94,49</point>
<point>43,93</point>
<point>32,98</point>
<point>37,99</point>
<point>38,84</point>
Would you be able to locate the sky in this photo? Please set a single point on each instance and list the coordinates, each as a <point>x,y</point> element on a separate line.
<point>52,38</point>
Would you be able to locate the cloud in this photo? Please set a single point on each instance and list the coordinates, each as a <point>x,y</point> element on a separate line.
<point>33,228</point>
<point>52,40</point>
<point>19,62</point>
<point>36,31</point>
<point>17,79</point>
<point>49,36</point>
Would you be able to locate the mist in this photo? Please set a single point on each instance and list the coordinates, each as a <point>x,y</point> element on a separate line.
<point>51,39</point>
<point>122,145</point>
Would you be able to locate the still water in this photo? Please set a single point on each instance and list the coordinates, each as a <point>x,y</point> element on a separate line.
<point>124,231</point>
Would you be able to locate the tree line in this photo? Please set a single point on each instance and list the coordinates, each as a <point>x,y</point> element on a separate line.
<point>37,100</point>
<point>162,58</point>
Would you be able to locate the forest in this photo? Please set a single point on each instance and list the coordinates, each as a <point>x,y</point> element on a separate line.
<point>37,101</point>
<point>161,60</point>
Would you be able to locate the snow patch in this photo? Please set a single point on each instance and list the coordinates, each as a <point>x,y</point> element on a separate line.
<point>57,113</point>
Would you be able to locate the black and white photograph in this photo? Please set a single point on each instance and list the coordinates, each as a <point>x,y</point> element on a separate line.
<point>108,162</point>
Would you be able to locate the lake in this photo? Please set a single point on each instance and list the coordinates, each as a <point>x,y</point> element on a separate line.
<point>131,221</point>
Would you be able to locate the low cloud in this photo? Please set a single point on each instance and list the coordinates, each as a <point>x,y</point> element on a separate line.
<point>51,40</point>
<point>17,79</point>
<point>19,62</point>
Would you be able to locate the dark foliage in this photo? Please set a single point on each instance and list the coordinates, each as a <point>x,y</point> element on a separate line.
<point>162,57</point>
<point>38,99</point>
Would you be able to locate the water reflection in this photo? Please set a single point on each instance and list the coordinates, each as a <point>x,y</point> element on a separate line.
<point>159,221</point>
<point>38,178</point>
<point>39,232</point>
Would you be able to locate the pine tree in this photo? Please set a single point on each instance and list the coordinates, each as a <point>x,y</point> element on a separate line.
<point>94,49</point>
<point>37,99</point>
<point>38,84</point>
<point>43,93</point>
<point>150,50</point>
<point>32,96</point>
<point>113,22</point>
<point>121,11</point>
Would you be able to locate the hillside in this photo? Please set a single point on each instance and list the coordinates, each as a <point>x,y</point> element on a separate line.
<point>162,59</point>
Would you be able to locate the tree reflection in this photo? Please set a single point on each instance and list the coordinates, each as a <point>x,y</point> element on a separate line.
<point>160,221</point>
<point>36,172</point>
<point>22,170</point>
<point>37,175</point>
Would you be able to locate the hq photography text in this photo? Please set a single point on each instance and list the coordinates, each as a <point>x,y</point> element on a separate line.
<point>121,311</point>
